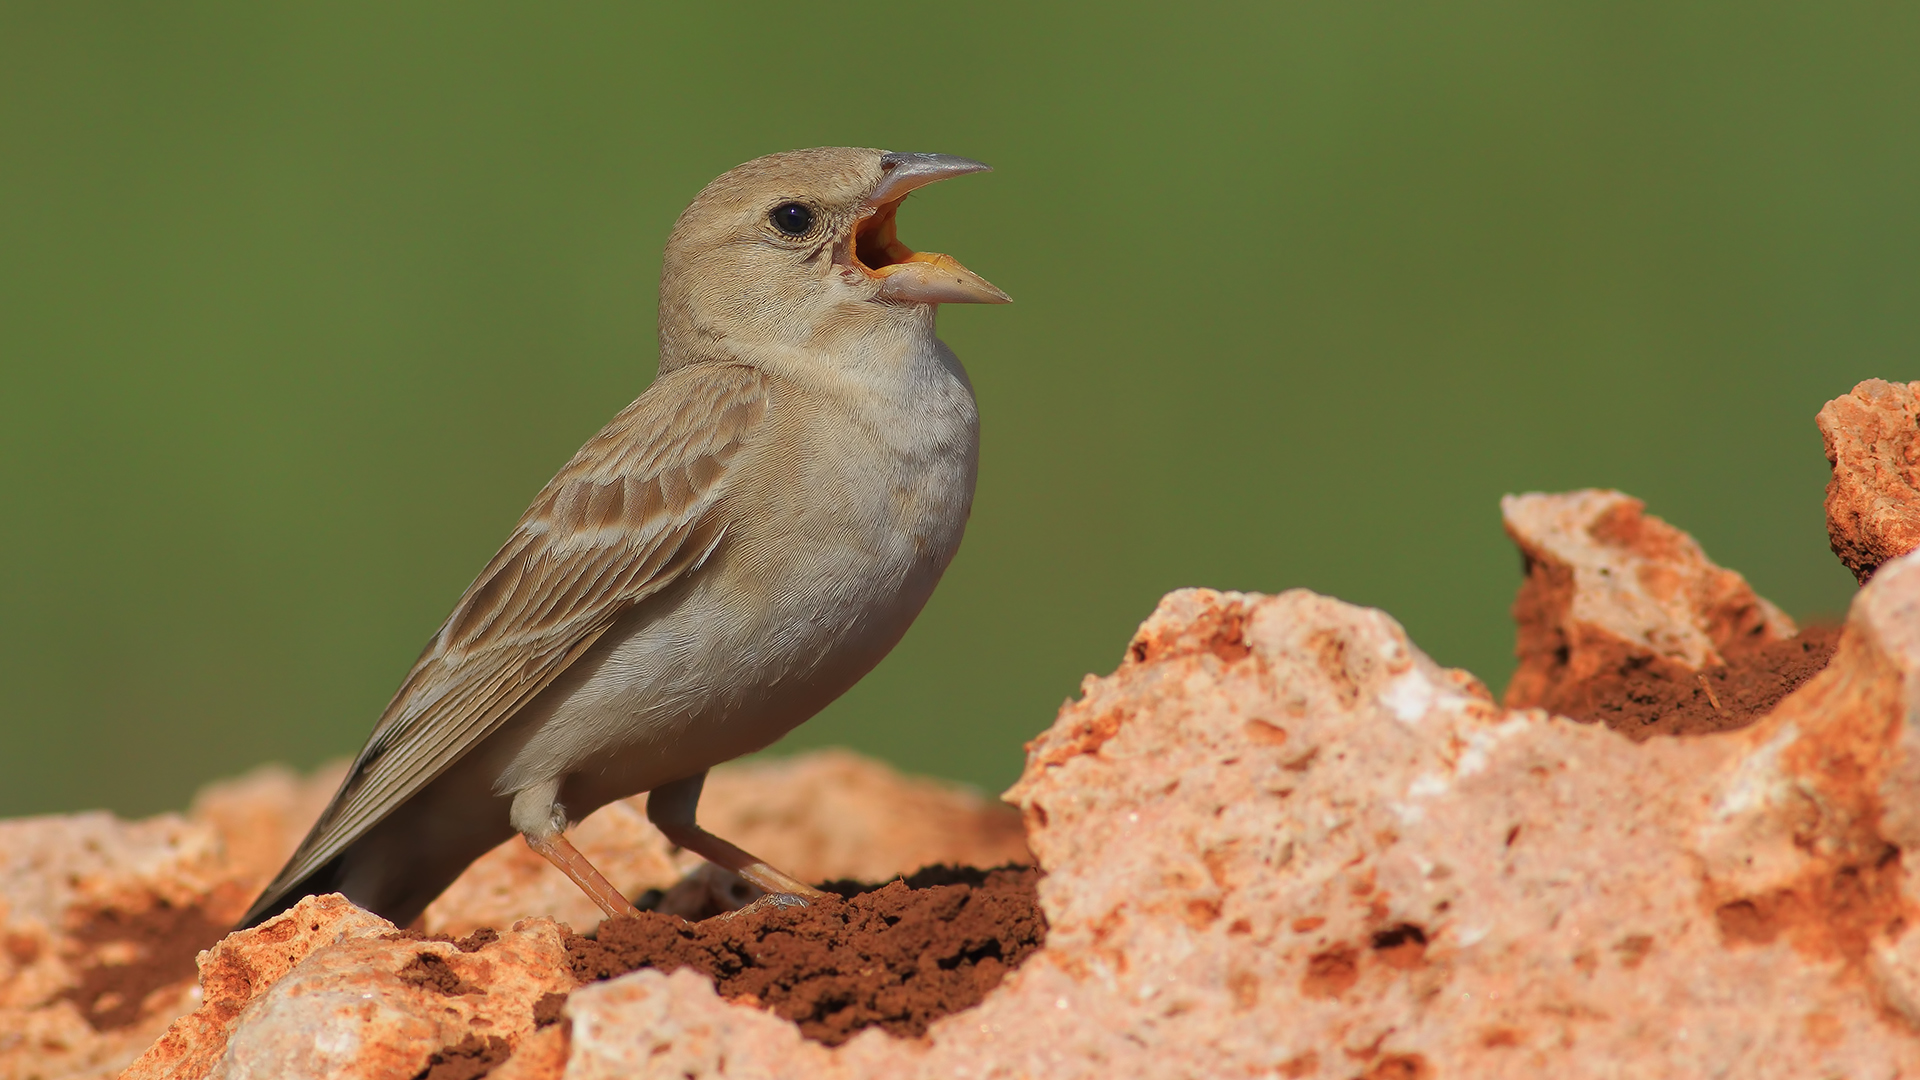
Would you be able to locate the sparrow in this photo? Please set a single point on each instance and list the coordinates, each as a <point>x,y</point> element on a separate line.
<point>735,550</point>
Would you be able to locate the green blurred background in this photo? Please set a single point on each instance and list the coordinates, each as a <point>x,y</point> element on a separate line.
<point>302,303</point>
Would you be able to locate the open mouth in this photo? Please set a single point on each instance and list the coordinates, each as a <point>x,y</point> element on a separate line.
<point>876,242</point>
<point>924,277</point>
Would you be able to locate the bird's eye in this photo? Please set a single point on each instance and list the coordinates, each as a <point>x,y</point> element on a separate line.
<point>792,218</point>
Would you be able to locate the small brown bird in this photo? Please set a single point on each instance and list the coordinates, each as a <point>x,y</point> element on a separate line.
<point>735,550</point>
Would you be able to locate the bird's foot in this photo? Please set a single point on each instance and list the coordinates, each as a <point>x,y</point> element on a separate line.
<point>710,891</point>
<point>776,901</point>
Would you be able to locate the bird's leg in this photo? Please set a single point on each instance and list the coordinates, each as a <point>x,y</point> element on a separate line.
<point>537,813</point>
<point>558,851</point>
<point>671,808</point>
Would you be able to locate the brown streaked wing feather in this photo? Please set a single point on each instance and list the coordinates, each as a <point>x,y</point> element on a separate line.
<point>623,519</point>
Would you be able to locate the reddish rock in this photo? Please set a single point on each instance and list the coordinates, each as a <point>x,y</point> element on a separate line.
<point>1622,619</point>
<point>327,990</point>
<point>1873,500</point>
<point>100,919</point>
<point>540,1056</point>
<point>1277,841</point>
<point>241,967</point>
<point>1280,841</point>
<point>99,923</point>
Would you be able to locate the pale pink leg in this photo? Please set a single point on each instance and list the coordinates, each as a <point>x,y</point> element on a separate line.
<point>556,850</point>
<point>671,809</point>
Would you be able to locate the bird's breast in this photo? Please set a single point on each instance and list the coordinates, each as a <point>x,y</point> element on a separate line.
<point>889,474</point>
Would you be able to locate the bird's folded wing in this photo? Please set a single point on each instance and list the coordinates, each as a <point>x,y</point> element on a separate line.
<point>630,513</point>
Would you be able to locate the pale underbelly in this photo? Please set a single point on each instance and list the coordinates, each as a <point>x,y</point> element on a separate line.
<point>712,670</point>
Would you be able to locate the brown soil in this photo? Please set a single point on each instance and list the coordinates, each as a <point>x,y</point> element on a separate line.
<point>469,1059</point>
<point>472,943</point>
<point>431,972</point>
<point>897,956</point>
<point>1641,699</point>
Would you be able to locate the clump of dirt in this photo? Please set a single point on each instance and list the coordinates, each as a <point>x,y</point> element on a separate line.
<point>472,943</point>
<point>547,1009</point>
<point>1643,698</point>
<point>469,1059</point>
<point>897,956</point>
<point>431,972</point>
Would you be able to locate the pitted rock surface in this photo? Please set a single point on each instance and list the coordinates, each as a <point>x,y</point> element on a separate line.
<point>1872,440</point>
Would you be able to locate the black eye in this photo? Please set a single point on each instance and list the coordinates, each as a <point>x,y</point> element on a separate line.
<point>792,218</point>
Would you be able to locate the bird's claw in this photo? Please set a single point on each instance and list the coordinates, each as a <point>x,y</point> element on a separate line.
<point>770,902</point>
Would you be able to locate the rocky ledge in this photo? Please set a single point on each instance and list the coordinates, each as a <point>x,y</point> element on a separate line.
<point>1277,841</point>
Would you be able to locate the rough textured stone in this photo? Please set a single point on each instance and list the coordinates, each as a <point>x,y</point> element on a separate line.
<point>1280,841</point>
<point>1611,590</point>
<point>241,967</point>
<point>99,921</point>
<point>327,990</point>
<point>100,918</point>
<point>1873,500</point>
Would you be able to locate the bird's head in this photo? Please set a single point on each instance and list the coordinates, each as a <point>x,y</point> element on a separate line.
<point>798,248</point>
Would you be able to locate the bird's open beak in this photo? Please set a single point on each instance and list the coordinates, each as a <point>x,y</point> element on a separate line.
<point>924,277</point>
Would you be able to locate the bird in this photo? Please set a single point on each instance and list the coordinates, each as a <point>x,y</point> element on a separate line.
<point>733,551</point>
